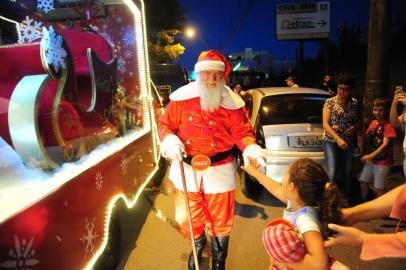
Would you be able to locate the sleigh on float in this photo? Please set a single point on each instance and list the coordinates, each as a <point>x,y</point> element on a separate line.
<point>77,130</point>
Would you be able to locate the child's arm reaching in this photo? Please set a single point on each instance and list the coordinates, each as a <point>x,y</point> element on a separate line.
<point>271,185</point>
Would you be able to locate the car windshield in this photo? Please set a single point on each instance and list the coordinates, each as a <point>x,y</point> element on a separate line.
<point>291,109</point>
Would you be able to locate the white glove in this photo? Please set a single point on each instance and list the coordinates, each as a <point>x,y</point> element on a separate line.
<point>173,148</point>
<point>254,151</point>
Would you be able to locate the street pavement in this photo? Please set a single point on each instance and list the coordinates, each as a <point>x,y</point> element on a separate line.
<point>156,243</point>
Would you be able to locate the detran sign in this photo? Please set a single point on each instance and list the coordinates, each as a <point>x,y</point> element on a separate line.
<point>309,20</point>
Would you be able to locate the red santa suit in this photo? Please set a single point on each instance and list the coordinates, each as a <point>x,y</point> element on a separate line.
<point>211,192</point>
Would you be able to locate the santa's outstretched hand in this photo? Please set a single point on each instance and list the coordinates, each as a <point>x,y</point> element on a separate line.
<point>255,152</point>
<point>173,148</point>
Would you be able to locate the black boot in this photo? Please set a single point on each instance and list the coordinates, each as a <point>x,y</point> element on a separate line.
<point>200,244</point>
<point>219,247</point>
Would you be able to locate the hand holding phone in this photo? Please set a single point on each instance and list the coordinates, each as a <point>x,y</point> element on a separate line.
<point>399,89</point>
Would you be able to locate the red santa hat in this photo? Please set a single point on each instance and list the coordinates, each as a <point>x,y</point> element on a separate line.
<point>213,60</point>
<point>282,242</point>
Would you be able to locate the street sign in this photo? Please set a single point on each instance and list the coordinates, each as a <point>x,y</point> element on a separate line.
<point>302,20</point>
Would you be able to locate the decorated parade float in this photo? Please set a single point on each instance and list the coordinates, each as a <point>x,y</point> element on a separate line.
<point>77,129</point>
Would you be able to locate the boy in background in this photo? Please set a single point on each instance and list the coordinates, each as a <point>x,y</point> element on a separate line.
<point>380,157</point>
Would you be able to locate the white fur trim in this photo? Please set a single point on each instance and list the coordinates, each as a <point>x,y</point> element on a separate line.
<point>209,65</point>
<point>185,92</point>
<point>229,99</point>
<point>253,151</point>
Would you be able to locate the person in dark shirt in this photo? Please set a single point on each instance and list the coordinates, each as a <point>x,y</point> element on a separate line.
<point>328,84</point>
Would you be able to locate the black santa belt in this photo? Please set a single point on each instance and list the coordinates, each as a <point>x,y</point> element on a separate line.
<point>214,159</point>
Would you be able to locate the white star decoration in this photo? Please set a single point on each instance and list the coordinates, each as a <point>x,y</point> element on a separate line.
<point>54,52</point>
<point>45,5</point>
<point>22,255</point>
<point>29,30</point>
<point>124,164</point>
<point>89,236</point>
<point>99,180</point>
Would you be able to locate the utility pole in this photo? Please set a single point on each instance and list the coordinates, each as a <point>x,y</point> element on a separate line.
<point>378,54</point>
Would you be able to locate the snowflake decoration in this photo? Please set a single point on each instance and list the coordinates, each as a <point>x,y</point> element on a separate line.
<point>29,30</point>
<point>124,164</point>
<point>99,180</point>
<point>128,37</point>
<point>89,236</point>
<point>121,65</point>
<point>45,5</point>
<point>54,53</point>
<point>128,54</point>
<point>22,256</point>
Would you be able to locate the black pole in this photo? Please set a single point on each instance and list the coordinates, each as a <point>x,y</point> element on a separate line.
<point>378,54</point>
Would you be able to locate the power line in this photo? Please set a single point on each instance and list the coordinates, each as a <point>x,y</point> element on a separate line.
<point>234,33</point>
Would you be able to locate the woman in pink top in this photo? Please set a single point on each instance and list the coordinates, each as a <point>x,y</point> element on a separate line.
<point>374,246</point>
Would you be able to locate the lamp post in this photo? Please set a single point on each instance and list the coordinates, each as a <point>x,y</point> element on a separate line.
<point>191,32</point>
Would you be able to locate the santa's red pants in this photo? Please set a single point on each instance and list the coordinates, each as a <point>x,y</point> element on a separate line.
<point>213,212</point>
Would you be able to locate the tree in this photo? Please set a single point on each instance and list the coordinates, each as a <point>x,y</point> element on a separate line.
<point>164,47</point>
<point>165,19</point>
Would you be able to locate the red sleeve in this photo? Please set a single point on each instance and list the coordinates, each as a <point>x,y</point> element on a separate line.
<point>169,122</point>
<point>389,131</point>
<point>385,245</point>
<point>241,129</point>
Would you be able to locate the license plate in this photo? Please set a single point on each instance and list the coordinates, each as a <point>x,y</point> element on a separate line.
<point>305,141</point>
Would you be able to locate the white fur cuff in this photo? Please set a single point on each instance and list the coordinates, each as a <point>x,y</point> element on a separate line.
<point>253,151</point>
<point>209,65</point>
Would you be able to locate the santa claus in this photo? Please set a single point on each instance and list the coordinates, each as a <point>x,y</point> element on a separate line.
<point>202,123</point>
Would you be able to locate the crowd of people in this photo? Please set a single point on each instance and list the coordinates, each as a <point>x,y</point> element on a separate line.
<point>206,119</point>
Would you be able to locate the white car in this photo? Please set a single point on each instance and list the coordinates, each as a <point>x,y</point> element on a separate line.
<point>288,124</point>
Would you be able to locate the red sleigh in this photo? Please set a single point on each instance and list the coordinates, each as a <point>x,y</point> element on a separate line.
<point>65,112</point>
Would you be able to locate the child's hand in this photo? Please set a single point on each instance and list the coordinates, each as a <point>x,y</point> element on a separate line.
<point>342,144</point>
<point>366,158</point>
<point>252,167</point>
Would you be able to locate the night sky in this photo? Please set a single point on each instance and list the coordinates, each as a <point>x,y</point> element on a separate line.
<point>232,25</point>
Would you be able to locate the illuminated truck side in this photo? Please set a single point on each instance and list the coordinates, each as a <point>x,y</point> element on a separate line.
<point>77,129</point>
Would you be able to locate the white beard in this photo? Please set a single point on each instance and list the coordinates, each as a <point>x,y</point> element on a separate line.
<point>210,98</point>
